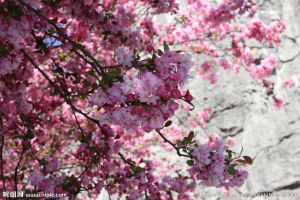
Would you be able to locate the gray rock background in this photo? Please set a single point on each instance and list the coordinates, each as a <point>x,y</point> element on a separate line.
<point>241,109</point>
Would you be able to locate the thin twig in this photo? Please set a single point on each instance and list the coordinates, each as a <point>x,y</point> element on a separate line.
<point>1,152</point>
<point>82,132</point>
<point>60,32</point>
<point>81,56</point>
<point>172,144</point>
<point>1,159</point>
<point>16,169</point>
<point>124,159</point>
<point>59,90</point>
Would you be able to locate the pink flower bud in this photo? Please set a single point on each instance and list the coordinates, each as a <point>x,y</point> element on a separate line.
<point>149,48</point>
<point>139,110</point>
<point>130,98</point>
<point>188,98</point>
<point>174,77</point>
<point>175,93</point>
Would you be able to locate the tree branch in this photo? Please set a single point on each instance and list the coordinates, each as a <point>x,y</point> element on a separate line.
<point>16,169</point>
<point>172,144</point>
<point>60,32</point>
<point>59,90</point>
<point>1,153</point>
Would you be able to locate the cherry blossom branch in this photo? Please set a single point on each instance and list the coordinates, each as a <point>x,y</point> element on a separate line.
<point>190,103</point>
<point>1,153</point>
<point>77,122</point>
<point>170,194</point>
<point>17,167</point>
<point>146,195</point>
<point>124,159</point>
<point>60,32</point>
<point>1,158</point>
<point>172,144</point>
<point>58,89</point>
<point>81,56</point>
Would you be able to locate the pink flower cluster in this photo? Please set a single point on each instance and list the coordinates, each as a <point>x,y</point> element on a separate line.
<point>101,146</point>
<point>124,58</point>
<point>48,184</point>
<point>211,166</point>
<point>50,75</point>
<point>181,186</point>
<point>262,32</point>
<point>163,6</point>
<point>264,69</point>
<point>12,36</point>
<point>145,99</point>
<point>226,11</point>
<point>276,102</point>
<point>201,118</point>
<point>206,72</point>
<point>289,81</point>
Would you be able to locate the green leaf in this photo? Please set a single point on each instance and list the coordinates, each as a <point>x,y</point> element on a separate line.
<point>190,162</point>
<point>231,169</point>
<point>52,31</point>
<point>68,183</point>
<point>29,135</point>
<point>166,46</point>
<point>143,68</point>
<point>187,140</point>
<point>164,101</point>
<point>83,139</point>
<point>242,161</point>
<point>159,52</point>
<point>114,73</point>
<point>58,78</point>
<point>24,118</point>
<point>168,123</point>
<point>144,105</point>
<point>229,154</point>
<point>61,56</point>
<point>27,147</point>
<point>3,51</point>
<point>248,159</point>
<point>136,170</point>
<point>89,136</point>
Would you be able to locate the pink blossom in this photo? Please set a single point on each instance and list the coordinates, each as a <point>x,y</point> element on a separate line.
<point>289,81</point>
<point>124,58</point>
<point>52,166</point>
<point>230,141</point>
<point>276,103</point>
<point>36,178</point>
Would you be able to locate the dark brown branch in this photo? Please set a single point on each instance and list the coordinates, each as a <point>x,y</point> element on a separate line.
<point>190,103</point>
<point>1,160</point>
<point>59,90</point>
<point>1,153</point>
<point>146,195</point>
<point>124,159</point>
<point>60,32</point>
<point>81,56</point>
<point>16,169</point>
<point>172,144</point>
<point>77,122</point>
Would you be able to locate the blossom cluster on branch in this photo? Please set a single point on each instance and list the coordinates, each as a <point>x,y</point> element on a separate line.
<point>87,87</point>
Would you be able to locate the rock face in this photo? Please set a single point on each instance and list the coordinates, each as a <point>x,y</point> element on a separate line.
<point>242,110</point>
